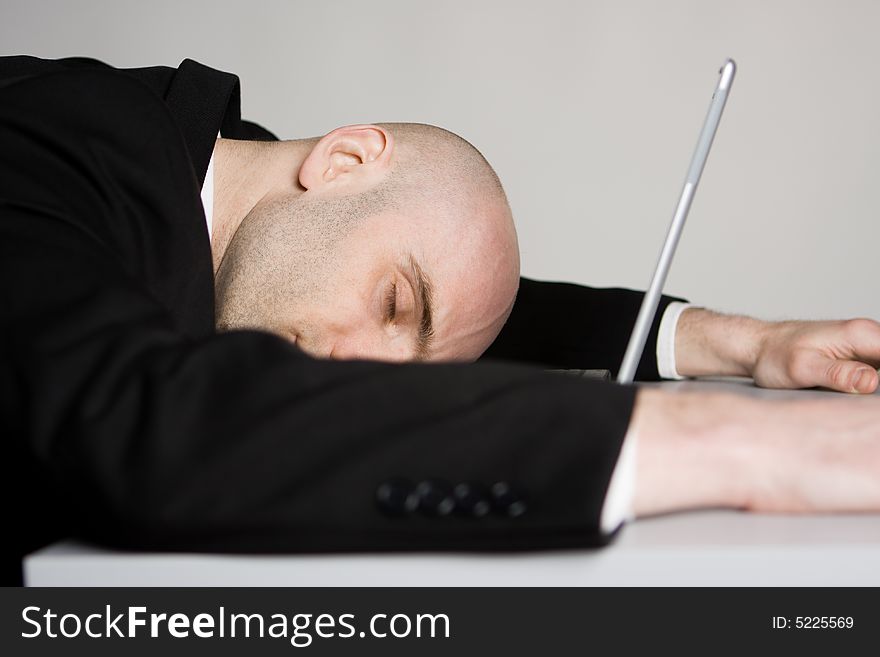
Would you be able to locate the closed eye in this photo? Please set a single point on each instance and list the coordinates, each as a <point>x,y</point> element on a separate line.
<point>391,303</point>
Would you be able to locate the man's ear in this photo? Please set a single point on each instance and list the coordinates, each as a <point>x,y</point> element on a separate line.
<point>352,154</point>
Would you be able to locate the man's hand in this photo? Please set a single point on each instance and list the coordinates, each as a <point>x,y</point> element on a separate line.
<point>841,355</point>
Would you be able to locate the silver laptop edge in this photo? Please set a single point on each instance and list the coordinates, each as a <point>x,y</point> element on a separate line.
<point>648,309</point>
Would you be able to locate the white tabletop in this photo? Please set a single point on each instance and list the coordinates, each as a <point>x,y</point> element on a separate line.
<point>713,548</point>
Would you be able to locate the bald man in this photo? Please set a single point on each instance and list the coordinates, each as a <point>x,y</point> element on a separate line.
<point>406,227</point>
<point>131,421</point>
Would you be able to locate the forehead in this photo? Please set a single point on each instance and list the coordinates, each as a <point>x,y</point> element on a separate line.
<point>474,273</point>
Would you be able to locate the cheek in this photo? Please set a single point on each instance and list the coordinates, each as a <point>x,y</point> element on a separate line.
<point>339,294</point>
<point>341,304</point>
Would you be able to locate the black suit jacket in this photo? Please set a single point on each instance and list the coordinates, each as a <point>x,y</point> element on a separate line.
<point>127,420</point>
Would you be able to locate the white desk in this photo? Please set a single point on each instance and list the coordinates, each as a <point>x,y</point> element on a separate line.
<point>713,548</point>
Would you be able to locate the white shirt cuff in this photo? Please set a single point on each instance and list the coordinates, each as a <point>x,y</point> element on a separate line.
<point>208,196</point>
<point>208,193</point>
<point>618,506</point>
<point>666,340</point>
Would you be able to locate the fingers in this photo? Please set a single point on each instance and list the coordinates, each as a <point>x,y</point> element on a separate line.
<point>866,380</point>
<point>863,338</point>
<point>850,376</point>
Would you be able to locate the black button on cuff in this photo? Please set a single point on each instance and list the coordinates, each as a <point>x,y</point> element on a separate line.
<point>397,497</point>
<point>507,500</point>
<point>435,497</point>
<point>472,500</point>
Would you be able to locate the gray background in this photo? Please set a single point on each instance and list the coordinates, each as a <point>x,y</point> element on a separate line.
<point>589,112</point>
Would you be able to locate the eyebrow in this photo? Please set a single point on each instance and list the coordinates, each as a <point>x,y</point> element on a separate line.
<point>424,293</point>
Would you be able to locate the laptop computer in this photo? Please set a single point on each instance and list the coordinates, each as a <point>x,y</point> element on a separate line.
<point>648,309</point>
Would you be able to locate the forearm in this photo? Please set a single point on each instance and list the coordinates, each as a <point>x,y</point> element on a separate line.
<point>566,326</point>
<point>708,343</point>
<point>701,450</point>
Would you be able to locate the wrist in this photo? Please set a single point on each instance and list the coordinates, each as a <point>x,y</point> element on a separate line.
<point>711,344</point>
<point>731,450</point>
<point>695,451</point>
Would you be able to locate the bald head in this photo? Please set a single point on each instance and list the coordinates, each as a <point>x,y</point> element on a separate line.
<point>437,166</point>
<point>397,244</point>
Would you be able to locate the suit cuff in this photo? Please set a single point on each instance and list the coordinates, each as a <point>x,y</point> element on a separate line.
<point>618,506</point>
<point>666,340</point>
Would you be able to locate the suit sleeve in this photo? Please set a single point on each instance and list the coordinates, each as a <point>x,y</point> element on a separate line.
<point>137,435</point>
<point>563,325</point>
